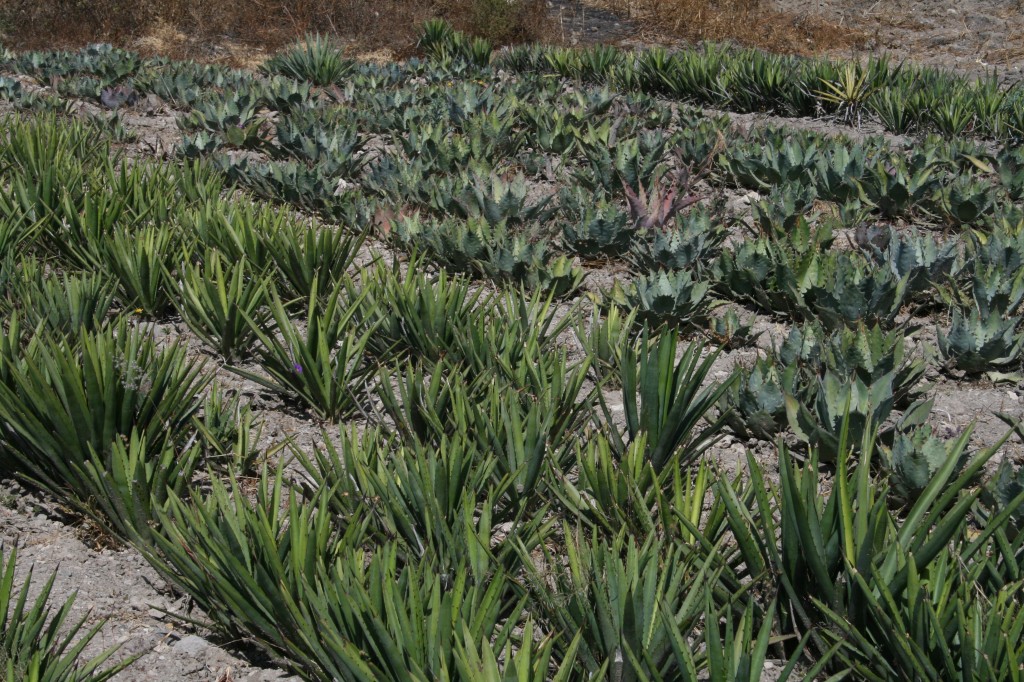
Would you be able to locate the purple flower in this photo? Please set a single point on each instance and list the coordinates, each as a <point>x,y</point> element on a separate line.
<point>298,368</point>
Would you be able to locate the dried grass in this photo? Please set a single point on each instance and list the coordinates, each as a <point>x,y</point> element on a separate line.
<point>746,22</point>
<point>242,32</point>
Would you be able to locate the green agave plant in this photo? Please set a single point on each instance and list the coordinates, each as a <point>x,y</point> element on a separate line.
<point>62,305</point>
<point>322,365</point>
<point>40,646</point>
<point>978,343</point>
<point>67,400</point>
<point>665,298</point>
<point>312,257</point>
<point>418,312</point>
<point>221,302</point>
<point>605,337</point>
<point>755,404</point>
<point>314,60</point>
<point>143,264</point>
<point>914,459</point>
<point>663,400</point>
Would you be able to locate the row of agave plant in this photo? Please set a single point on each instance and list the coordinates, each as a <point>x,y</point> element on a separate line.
<point>495,496</point>
<point>903,98</point>
<point>490,515</point>
<point>590,135</point>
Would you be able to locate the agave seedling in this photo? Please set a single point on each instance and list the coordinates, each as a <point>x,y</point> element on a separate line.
<point>324,365</point>
<point>966,200</point>
<point>874,355</point>
<point>893,187</point>
<point>914,459</point>
<point>673,298</point>
<point>728,331</point>
<point>918,258</point>
<point>606,337</point>
<point>978,343</point>
<point>67,400</point>
<point>692,240</point>
<point>755,404</point>
<point>64,304</point>
<point>848,93</point>
<point>839,404</point>
<point>654,209</point>
<point>777,215</point>
<point>664,400</point>
<point>595,228</point>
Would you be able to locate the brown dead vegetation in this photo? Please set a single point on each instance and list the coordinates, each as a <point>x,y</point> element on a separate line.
<point>751,23</point>
<point>241,33</point>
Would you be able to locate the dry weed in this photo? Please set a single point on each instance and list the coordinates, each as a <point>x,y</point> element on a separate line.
<point>242,33</point>
<point>746,22</point>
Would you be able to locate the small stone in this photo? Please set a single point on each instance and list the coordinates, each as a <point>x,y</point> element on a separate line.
<point>191,646</point>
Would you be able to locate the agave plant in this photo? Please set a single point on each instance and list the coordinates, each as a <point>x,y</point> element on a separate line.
<point>287,95</point>
<point>68,400</point>
<point>314,60</point>
<point>774,161</point>
<point>978,343</point>
<point>143,263</point>
<point>221,302</point>
<point>691,241</point>
<point>873,355</point>
<point>321,366</point>
<point>656,207</point>
<point>42,647</point>
<point>418,312</point>
<point>337,151</point>
<point>894,188</point>
<point>606,337</point>
<point>727,330</point>
<point>608,591</point>
<point>843,404</point>
<point>594,227</point>
<point>664,402</point>
<point>497,200</point>
<point>755,404</point>
<point>778,214</point>
<point>966,200</point>
<point>62,305</point>
<point>914,459</point>
<point>665,298</point>
<point>918,258</point>
<point>846,292</point>
<point>312,257</point>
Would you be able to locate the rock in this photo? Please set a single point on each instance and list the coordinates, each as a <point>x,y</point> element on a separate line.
<point>191,646</point>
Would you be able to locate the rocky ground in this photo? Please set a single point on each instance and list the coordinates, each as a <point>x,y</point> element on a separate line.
<point>976,36</point>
